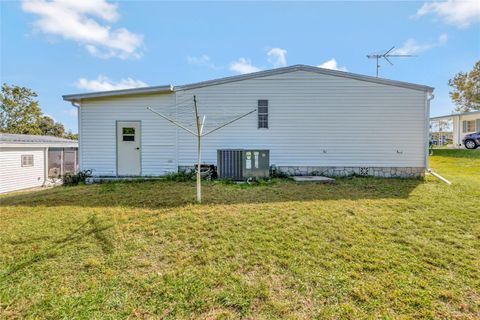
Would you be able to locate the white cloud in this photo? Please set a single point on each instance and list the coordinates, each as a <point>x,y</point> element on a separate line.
<point>78,21</point>
<point>103,83</point>
<point>243,66</point>
<point>203,60</point>
<point>332,64</point>
<point>277,57</point>
<point>412,46</point>
<point>460,13</point>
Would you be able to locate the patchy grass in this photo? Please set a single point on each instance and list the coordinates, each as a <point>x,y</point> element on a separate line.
<point>363,248</point>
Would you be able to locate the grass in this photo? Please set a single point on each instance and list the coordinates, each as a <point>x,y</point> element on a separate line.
<point>362,248</point>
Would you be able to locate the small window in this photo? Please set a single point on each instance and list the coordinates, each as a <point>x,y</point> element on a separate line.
<point>128,134</point>
<point>27,160</point>
<point>262,114</point>
<point>469,126</point>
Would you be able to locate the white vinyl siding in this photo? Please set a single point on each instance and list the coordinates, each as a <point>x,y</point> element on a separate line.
<point>98,120</point>
<point>315,120</point>
<point>14,176</point>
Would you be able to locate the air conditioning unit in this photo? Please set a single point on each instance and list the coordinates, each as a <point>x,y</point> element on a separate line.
<point>240,164</point>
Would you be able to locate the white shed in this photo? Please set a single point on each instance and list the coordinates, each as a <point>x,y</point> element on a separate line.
<point>463,123</point>
<point>24,159</point>
<point>310,119</point>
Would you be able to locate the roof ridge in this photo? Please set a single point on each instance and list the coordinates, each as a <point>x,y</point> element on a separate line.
<point>258,74</point>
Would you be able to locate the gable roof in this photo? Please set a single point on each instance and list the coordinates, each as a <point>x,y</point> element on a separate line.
<point>259,74</point>
<point>30,139</point>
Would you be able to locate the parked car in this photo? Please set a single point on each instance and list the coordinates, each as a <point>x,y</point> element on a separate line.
<point>472,140</point>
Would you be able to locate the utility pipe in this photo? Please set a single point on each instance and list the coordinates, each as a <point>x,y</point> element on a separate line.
<point>436,175</point>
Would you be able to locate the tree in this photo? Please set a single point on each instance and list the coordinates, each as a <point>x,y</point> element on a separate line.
<point>466,89</point>
<point>49,127</point>
<point>70,135</point>
<point>19,111</point>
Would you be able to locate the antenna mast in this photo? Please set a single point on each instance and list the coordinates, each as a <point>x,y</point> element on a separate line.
<point>385,56</point>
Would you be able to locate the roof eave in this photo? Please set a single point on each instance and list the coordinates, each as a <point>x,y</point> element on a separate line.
<point>115,93</point>
<point>15,144</point>
<point>337,73</point>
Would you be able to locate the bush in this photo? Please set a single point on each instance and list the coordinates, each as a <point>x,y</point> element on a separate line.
<point>274,173</point>
<point>207,172</point>
<point>181,176</point>
<point>75,179</point>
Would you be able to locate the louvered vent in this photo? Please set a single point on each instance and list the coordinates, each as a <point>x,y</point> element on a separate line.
<point>238,164</point>
<point>230,164</point>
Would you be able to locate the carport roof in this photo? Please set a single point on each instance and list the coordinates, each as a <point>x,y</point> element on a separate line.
<point>455,115</point>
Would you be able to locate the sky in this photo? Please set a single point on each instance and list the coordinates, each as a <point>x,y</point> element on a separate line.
<point>68,46</point>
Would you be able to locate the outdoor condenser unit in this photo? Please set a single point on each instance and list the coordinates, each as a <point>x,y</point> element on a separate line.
<point>239,164</point>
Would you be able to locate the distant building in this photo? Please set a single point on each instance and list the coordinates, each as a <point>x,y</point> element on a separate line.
<point>463,124</point>
<point>28,161</point>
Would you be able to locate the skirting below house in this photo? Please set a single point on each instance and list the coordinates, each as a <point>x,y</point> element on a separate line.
<point>384,172</point>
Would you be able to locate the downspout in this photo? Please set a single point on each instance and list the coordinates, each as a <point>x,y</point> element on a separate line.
<point>79,124</point>
<point>427,127</point>
<point>427,117</point>
<point>45,166</point>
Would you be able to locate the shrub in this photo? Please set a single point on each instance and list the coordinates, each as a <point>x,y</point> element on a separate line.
<point>181,176</point>
<point>75,179</point>
<point>279,174</point>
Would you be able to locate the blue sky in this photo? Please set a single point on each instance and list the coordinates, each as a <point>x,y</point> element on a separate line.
<point>70,46</point>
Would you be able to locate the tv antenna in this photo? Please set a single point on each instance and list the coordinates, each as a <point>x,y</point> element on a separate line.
<point>385,56</point>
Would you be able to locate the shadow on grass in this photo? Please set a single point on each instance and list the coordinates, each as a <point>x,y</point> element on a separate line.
<point>93,226</point>
<point>167,194</point>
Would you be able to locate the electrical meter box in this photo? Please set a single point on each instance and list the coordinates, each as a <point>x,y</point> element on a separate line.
<point>256,163</point>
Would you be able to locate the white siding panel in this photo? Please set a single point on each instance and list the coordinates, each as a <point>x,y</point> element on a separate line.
<point>15,177</point>
<point>98,141</point>
<point>315,120</point>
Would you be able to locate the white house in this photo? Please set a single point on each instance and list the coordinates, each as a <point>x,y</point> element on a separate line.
<point>309,118</point>
<point>25,160</point>
<point>463,124</point>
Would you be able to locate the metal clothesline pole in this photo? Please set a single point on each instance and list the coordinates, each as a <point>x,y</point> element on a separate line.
<point>199,134</point>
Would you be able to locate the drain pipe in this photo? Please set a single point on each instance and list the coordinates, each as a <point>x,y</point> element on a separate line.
<point>436,175</point>
<point>79,130</point>
<point>427,111</point>
<point>428,98</point>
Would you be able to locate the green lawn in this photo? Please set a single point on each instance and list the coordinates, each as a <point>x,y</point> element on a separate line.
<point>362,248</point>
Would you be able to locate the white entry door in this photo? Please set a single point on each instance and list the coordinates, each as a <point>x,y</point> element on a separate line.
<point>128,148</point>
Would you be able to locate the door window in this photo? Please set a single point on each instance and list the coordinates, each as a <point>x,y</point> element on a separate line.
<point>128,134</point>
